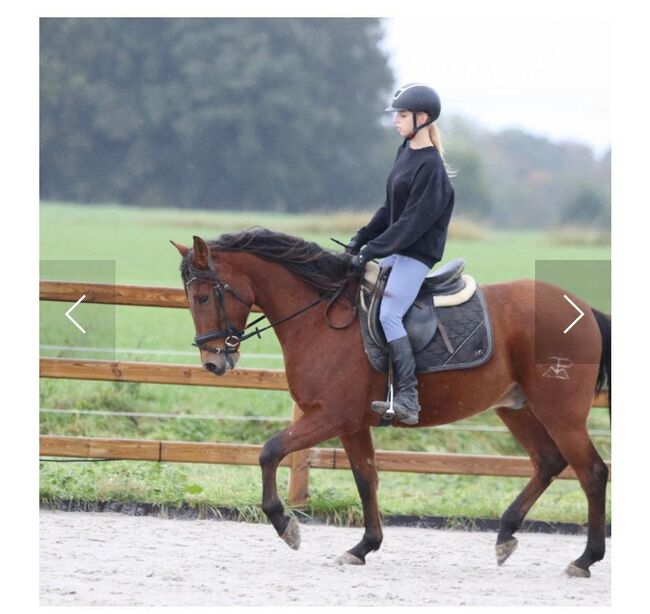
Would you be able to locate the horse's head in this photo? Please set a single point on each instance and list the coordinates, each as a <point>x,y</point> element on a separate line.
<point>220,301</point>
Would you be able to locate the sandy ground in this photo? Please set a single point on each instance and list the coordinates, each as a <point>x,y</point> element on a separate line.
<point>117,560</point>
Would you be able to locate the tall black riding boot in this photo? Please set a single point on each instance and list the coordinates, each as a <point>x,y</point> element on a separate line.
<point>405,384</point>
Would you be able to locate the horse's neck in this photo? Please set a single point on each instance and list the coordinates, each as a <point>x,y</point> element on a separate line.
<point>280,294</point>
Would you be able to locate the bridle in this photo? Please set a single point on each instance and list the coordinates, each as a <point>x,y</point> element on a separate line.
<point>233,337</point>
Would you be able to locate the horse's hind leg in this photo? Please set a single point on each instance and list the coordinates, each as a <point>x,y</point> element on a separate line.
<point>309,430</point>
<point>592,474</point>
<point>565,419</point>
<point>548,462</point>
<point>361,454</point>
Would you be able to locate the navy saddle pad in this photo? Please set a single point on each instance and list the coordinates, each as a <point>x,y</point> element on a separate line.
<point>443,338</point>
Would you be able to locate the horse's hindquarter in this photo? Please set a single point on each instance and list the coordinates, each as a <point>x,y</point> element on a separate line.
<point>521,312</point>
<point>545,326</point>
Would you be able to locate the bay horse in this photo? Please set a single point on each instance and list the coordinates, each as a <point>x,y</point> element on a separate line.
<point>306,293</point>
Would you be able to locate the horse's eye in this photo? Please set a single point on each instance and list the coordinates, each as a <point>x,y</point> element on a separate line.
<point>203,299</point>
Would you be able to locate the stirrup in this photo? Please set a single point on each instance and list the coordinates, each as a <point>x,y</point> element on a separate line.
<point>387,413</point>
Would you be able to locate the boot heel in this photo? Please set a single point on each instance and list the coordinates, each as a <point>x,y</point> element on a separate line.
<point>410,420</point>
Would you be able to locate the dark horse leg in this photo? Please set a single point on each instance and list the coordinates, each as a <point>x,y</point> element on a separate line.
<point>361,454</point>
<point>592,474</point>
<point>309,430</point>
<point>548,462</point>
<point>565,421</point>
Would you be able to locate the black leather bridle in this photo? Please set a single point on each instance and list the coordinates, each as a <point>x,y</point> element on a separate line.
<point>233,337</point>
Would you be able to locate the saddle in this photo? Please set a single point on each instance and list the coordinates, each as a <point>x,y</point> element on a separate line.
<point>448,324</point>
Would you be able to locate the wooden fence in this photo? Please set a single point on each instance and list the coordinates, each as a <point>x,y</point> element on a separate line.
<point>237,454</point>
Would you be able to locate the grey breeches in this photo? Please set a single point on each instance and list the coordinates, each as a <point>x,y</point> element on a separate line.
<point>402,288</point>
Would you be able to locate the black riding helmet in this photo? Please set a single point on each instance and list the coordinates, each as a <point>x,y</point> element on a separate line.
<point>416,97</point>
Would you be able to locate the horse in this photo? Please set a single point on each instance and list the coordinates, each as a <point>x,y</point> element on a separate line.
<point>307,294</point>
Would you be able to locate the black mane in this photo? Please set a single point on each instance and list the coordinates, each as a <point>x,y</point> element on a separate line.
<point>325,271</point>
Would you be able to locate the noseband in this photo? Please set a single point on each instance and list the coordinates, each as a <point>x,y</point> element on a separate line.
<point>232,336</point>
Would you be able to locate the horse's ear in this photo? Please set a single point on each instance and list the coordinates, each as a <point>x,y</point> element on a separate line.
<point>182,250</point>
<point>201,256</point>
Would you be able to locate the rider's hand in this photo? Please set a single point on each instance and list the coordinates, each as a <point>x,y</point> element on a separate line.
<point>358,263</point>
<point>354,245</point>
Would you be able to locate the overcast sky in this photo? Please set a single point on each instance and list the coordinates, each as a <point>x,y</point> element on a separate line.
<point>550,76</point>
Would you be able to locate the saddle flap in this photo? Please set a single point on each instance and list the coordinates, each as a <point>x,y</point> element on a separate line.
<point>421,323</point>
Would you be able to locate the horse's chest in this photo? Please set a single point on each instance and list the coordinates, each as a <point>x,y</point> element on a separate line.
<point>311,382</point>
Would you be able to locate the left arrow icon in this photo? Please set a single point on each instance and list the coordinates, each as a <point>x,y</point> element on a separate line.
<point>67,314</point>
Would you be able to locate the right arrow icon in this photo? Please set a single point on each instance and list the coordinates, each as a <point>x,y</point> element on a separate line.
<point>582,313</point>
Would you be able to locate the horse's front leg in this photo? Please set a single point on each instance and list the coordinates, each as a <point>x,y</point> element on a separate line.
<point>309,430</point>
<point>361,454</point>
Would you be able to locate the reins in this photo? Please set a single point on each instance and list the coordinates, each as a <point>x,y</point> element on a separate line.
<point>257,332</point>
<point>232,336</point>
<point>333,300</point>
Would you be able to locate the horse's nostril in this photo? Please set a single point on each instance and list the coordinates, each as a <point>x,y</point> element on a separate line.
<point>213,368</point>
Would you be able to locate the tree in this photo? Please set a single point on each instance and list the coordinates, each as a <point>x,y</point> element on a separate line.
<point>588,208</point>
<point>258,113</point>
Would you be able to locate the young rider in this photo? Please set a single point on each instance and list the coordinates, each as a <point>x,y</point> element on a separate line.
<point>408,232</point>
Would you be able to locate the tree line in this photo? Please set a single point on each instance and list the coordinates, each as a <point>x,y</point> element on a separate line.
<point>267,114</point>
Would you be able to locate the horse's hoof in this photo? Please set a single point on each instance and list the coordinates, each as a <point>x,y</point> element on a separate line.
<point>573,571</point>
<point>505,549</point>
<point>347,558</point>
<point>291,534</point>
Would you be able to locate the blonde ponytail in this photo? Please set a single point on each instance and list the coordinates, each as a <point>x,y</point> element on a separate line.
<point>436,139</point>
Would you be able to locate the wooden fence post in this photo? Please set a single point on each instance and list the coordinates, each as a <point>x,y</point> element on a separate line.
<point>299,472</point>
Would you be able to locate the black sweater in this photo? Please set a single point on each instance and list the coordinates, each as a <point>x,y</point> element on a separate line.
<point>414,218</point>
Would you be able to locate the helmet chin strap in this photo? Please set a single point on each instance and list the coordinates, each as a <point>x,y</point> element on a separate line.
<point>416,129</point>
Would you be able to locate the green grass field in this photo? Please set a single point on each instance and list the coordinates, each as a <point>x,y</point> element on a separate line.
<point>136,243</point>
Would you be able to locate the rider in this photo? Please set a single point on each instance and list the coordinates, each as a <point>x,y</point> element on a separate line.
<point>408,232</point>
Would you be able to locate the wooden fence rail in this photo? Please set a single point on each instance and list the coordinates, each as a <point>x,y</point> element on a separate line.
<point>168,373</point>
<point>160,373</point>
<point>115,294</point>
<point>315,458</point>
<point>239,454</point>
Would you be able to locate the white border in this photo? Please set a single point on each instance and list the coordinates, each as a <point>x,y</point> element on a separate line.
<point>20,262</point>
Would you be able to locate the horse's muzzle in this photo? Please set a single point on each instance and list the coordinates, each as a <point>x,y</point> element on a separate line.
<point>214,368</point>
<point>219,364</point>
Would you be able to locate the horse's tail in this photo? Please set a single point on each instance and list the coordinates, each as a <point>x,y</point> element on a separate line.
<point>605,368</point>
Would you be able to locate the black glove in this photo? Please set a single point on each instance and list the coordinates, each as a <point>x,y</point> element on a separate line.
<point>358,261</point>
<point>354,245</point>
